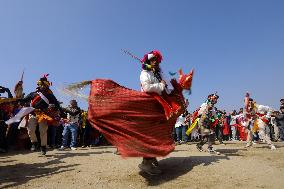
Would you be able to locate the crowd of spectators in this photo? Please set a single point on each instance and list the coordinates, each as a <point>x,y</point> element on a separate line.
<point>230,127</point>
<point>74,130</point>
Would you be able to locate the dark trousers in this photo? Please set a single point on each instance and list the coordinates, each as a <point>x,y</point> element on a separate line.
<point>85,136</point>
<point>3,139</point>
<point>58,136</point>
<point>181,133</point>
<point>207,138</point>
<point>219,133</point>
<point>12,134</point>
<point>281,132</point>
<point>51,135</point>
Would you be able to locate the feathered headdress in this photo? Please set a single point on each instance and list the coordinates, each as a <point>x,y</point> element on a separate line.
<point>44,81</point>
<point>212,98</point>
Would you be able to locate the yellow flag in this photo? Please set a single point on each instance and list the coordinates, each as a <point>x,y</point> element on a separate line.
<point>192,126</point>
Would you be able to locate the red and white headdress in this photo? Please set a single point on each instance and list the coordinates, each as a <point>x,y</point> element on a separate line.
<point>153,54</point>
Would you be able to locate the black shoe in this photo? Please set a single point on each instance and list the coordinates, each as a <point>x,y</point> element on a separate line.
<point>155,162</point>
<point>199,148</point>
<point>148,167</point>
<point>212,151</point>
<point>43,150</point>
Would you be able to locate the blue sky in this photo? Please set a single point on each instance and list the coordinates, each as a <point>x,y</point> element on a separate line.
<point>234,45</point>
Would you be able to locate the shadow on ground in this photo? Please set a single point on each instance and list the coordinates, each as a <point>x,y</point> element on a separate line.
<point>175,167</point>
<point>231,152</point>
<point>20,173</point>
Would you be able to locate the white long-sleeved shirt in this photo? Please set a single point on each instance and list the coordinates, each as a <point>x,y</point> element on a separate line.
<point>180,121</point>
<point>149,83</point>
<point>203,109</point>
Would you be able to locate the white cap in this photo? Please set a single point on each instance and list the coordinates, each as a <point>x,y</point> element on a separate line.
<point>150,56</point>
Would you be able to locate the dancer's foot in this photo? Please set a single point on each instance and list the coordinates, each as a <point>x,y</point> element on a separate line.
<point>199,148</point>
<point>155,162</point>
<point>148,167</point>
<point>212,151</point>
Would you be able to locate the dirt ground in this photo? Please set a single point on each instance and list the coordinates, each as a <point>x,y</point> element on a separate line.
<point>99,167</point>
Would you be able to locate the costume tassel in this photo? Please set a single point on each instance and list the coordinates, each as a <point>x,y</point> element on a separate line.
<point>75,88</point>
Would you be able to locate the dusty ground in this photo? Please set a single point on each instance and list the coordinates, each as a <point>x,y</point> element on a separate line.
<point>98,167</point>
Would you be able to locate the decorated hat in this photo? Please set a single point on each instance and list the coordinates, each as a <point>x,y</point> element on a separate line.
<point>153,55</point>
<point>44,81</point>
<point>212,98</point>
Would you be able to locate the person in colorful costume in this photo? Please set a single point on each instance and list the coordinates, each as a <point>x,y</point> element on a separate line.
<point>257,119</point>
<point>154,83</point>
<point>138,123</point>
<point>44,105</point>
<point>205,118</point>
